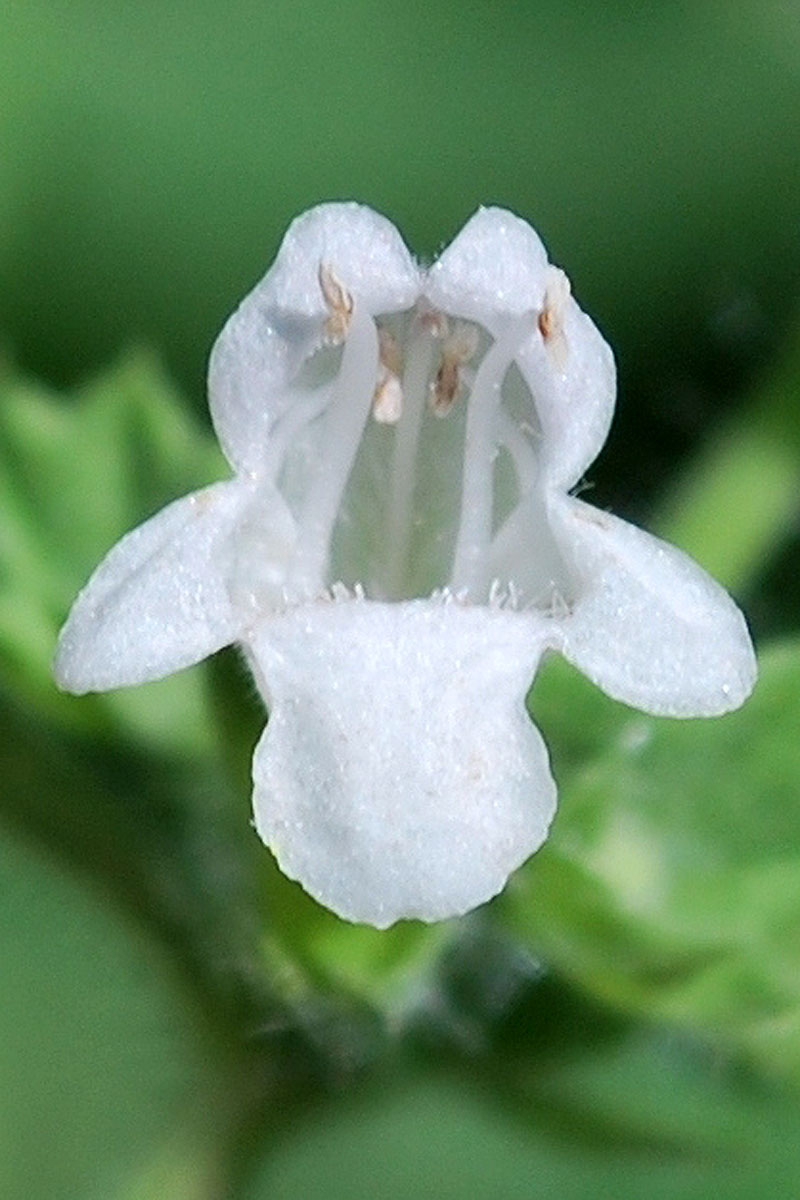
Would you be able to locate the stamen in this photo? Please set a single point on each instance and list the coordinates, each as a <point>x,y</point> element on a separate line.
<point>459,347</point>
<point>544,573</point>
<point>387,403</point>
<point>339,302</point>
<point>302,410</point>
<point>551,318</point>
<point>516,439</point>
<point>480,444</point>
<point>344,422</point>
<point>433,321</point>
<point>418,362</point>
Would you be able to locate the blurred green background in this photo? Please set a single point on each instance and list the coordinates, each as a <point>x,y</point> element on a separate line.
<point>176,1020</point>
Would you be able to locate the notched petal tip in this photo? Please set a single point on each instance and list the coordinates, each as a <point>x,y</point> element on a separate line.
<point>399,775</point>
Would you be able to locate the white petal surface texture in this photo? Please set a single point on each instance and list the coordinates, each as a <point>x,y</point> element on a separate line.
<point>400,775</point>
<point>649,626</point>
<point>498,266</point>
<point>396,552</point>
<point>266,340</point>
<point>158,601</point>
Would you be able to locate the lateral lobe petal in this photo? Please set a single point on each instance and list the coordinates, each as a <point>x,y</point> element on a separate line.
<point>159,601</point>
<point>649,626</point>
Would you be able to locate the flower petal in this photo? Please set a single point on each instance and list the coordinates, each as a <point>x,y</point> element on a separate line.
<point>649,626</point>
<point>574,397</point>
<point>496,264</point>
<point>400,775</point>
<point>159,600</point>
<point>497,267</point>
<point>278,324</point>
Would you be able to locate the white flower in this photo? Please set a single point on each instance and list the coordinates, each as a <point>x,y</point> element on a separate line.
<point>397,550</point>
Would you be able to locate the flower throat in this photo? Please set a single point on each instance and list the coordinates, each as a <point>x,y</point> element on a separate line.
<point>408,458</point>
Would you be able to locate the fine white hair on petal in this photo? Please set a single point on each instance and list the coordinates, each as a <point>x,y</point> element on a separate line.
<point>400,775</point>
<point>496,267</point>
<point>649,626</point>
<point>159,600</point>
<point>265,341</point>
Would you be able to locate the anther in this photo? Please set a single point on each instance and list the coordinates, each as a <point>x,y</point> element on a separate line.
<point>551,318</point>
<point>445,386</point>
<point>387,403</point>
<point>433,321</point>
<point>339,302</point>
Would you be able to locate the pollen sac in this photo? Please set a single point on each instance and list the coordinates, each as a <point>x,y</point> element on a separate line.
<point>339,302</point>
<point>458,348</point>
<point>387,403</point>
<point>551,316</point>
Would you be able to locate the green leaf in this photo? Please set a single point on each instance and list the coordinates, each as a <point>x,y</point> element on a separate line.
<point>309,948</point>
<point>630,1093</point>
<point>671,882</point>
<point>737,502</point>
<point>578,720</point>
<point>75,475</point>
<point>706,515</point>
<point>696,1130</point>
<point>99,1053</point>
<point>165,838</point>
